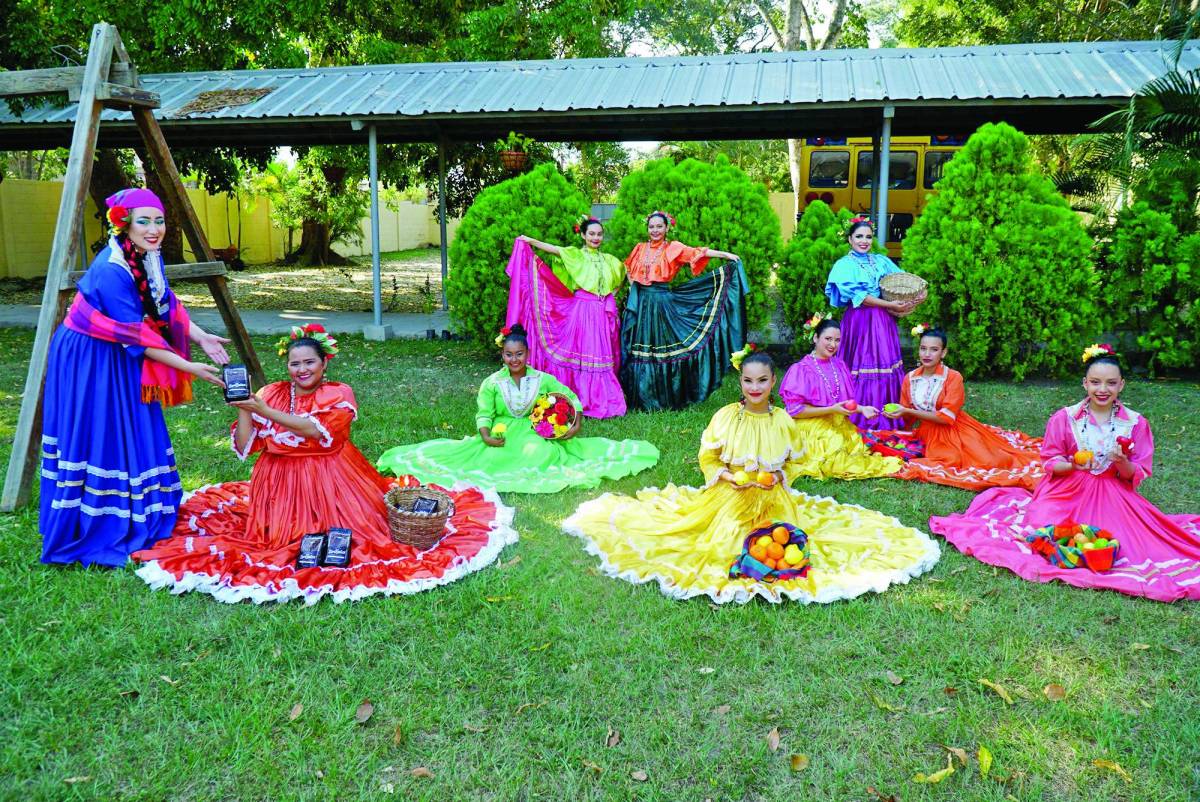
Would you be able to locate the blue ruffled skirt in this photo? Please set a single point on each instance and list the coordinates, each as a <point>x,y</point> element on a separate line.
<point>109,485</point>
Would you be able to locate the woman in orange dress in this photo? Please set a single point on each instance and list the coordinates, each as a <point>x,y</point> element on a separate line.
<point>241,540</point>
<point>959,450</point>
<point>676,340</point>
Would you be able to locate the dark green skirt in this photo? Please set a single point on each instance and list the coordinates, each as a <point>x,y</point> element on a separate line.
<point>676,341</point>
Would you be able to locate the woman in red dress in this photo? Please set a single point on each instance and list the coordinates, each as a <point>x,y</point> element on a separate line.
<point>241,540</point>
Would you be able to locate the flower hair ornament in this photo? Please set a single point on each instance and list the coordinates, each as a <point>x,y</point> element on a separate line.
<point>861,219</point>
<point>814,321</point>
<point>1097,349</point>
<point>737,357</point>
<point>504,332</point>
<point>313,331</point>
<point>119,217</point>
<point>582,225</point>
<point>919,329</point>
<point>659,213</point>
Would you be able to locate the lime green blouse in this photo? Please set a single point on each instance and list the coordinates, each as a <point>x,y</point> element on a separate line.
<point>502,398</point>
<point>587,269</point>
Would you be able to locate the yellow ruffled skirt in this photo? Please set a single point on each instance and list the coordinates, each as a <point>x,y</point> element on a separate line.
<point>833,449</point>
<point>686,538</point>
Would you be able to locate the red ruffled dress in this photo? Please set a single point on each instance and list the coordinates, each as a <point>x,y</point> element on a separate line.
<point>240,540</point>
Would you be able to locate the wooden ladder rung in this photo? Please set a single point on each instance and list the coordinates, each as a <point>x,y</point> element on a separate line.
<point>188,270</point>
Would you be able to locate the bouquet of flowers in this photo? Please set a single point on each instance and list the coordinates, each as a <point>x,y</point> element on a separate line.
<point>553,414</point>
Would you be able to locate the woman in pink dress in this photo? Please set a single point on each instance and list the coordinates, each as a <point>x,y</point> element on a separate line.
<point>1095,452</point>
<point>571,315</point>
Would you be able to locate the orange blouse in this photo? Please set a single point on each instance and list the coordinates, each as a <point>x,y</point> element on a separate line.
<point>653,264</point>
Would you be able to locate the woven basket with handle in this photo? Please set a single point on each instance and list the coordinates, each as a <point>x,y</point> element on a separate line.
<point>421,530</point>
<point>902,287</point>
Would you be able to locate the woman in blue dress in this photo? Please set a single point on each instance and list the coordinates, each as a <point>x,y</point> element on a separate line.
<point>109,485</point>
<point>870,339</point>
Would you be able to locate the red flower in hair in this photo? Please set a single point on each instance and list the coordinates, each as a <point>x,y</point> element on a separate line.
<point>577,228</point>
<point>507,330</point>
<point>313,327</point>
<point>118,216</point>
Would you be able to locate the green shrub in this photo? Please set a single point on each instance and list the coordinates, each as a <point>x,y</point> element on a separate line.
<point>715,205</point>
<point>1008,262</point>
<point>1171,185</point>
<point>540,203</point>
<point>818,242</point>
<point>1151,285</point>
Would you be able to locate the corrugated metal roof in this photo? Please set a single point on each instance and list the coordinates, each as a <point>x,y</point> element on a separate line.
<point>706,96</point>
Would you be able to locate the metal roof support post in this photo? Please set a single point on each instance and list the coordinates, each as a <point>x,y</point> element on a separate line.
<point>376,331</point>
<point>885,158</point>
<point>442,216</point>
<point>874,200</point>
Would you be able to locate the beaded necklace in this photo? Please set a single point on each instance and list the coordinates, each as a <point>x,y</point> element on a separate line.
<point>651,253</point>
<point>834,390</point>
<point>1099,438</point>
<point>292,397</point>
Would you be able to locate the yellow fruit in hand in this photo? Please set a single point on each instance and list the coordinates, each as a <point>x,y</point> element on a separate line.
<point>741,478</point>
<point>792,554</point>
<point>1083,457</point>
<point>765,478</point>
<point>499,429</point>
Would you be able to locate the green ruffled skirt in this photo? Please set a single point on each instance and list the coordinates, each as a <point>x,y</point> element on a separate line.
<point>526,463</point>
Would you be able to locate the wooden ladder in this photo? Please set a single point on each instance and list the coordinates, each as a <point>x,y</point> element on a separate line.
<point>109,80</point>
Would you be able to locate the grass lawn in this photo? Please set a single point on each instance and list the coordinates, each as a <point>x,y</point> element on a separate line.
<point>510,684</point>
<point>408,279</point>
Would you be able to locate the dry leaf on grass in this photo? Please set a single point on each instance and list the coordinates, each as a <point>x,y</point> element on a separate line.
<point>799,762</point>
<point>894,678</point>
<point>398,735</point>
<point>473,728</point>
<point>511,562</point>
<point>705,670</point>
<point>880,795</point>
<point>937,776</point>
<point>961,754</point>
<point>640,776</point>
<point>530,706</point>
<point>295,712</point>
<point>773,739</point>
<point>999,689</point>
<point>83,778</point>
<point>721,710</point>
<point>364,712</point>
<point>1115,768</point>
<point>984,756</point>
<point>168,680</point>
<point>421,771</point>
<point>613,738</point>
<point>1140,647</point>
<point>497,599</point>
<point>592,767</point>
<point>950,690</point>
<point>132,693</point>
<point>1055,692</point>
<point>541,648</point>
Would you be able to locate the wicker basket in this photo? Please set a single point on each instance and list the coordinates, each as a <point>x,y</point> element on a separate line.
<point>421,530</point>
<point>902,287</point>
<point>554,397</point>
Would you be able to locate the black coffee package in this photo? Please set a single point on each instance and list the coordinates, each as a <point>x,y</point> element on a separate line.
<point>237,382</point>
<point>312,549</point>
<point>337,547</point>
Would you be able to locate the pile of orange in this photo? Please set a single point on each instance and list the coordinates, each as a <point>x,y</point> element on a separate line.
<point>774,551</point>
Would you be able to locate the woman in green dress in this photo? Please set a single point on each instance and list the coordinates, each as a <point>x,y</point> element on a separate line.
<point>507,454</point>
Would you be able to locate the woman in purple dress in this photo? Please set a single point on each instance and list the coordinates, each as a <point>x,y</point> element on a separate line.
<point>109,483</point>
<point>870,340</point>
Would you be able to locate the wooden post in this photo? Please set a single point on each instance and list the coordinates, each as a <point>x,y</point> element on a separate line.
<point>26,448</point>
<point>164,165</point>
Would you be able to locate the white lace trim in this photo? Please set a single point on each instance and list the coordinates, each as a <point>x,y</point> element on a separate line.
<point>501,535</point>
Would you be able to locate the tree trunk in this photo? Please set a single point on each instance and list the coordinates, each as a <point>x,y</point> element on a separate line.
<point>315,247</point>
<point>108,176</point>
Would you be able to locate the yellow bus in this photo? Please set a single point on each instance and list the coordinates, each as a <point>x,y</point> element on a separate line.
<point>841,172</point>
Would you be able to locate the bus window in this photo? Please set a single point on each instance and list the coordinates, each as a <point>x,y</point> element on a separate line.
<point>902,170</point>
<point>829,169</point>
<point>935,162</point>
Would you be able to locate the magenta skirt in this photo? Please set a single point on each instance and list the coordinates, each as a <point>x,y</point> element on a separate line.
<point>871,349</point>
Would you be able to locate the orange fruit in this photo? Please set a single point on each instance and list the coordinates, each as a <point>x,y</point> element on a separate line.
<point>1083,457</point>
<point>775,551</point>
<point>780,535</point>
<point>769,563</point>
<point>765,478</point>
<point>758,552</point>
<point>763,524</point>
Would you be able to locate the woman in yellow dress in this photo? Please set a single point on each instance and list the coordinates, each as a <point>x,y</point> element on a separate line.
<point>686,538</point>
<point>819,393</point>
